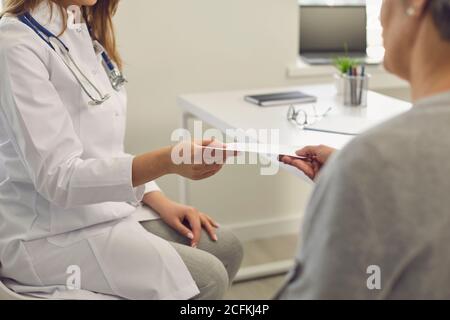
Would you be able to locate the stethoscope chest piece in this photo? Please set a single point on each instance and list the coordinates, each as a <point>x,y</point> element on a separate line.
<point>117,79</point>
<point>115,75</point>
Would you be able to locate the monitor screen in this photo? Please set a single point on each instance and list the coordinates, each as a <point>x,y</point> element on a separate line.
<point>333,28</point>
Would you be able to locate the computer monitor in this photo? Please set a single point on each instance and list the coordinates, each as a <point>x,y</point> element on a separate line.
<point>328,31</point>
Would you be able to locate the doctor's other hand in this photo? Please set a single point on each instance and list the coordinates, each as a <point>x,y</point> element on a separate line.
<point>186,220</point>
<point>316,157</point>
<point>199,160</point>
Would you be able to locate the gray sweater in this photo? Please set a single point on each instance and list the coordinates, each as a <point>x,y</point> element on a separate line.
<point>378,223</point>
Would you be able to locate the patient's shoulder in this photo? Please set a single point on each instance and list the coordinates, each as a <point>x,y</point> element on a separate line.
<point>389,141</point>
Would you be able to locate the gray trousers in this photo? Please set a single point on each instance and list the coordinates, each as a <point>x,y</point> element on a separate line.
<point>213,265</point>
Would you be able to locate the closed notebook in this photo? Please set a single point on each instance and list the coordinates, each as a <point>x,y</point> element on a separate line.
<point>282,98</point>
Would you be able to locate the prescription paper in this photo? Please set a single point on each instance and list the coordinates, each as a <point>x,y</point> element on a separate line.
<point>265,149</point>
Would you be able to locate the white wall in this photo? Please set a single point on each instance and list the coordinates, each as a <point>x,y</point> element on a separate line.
<point>173,47</point>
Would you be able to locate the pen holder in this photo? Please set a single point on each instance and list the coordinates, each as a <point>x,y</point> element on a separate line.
<point>339,84</point>
<point>355,90</point>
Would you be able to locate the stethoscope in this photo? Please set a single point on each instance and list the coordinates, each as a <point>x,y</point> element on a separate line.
<point>115,75</point>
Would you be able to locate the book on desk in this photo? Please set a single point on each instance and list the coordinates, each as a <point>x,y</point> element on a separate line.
<point>280,98</point>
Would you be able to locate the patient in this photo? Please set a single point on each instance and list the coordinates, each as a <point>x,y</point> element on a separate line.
<point>377,225</point>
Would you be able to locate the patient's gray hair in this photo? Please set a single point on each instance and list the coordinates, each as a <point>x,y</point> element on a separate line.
<point>440,10</point>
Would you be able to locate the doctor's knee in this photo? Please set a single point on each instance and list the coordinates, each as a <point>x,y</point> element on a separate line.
<point>212,281</point>
<point>229,250</point>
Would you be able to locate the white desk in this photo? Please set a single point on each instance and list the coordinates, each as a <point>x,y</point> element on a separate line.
<point>228,110</point>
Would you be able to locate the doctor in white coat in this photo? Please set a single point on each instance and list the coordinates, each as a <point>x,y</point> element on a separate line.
<point>80,218</point>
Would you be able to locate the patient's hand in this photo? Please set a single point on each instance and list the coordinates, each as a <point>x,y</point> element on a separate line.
<point>316,156</point>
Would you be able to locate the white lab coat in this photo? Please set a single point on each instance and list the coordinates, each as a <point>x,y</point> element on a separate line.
<point>66,195</point>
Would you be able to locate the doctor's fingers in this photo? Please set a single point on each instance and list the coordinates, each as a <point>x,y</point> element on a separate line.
<point>182,229</point>
<point>220,156</point>
<point>209,225</point>
<point>193,218</point>
<point>215,224</point>
<point>201,172</point>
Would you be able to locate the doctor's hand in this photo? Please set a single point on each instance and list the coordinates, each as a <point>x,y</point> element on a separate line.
<point>198,160</point>
<point>192,160</point>
<point>316,156</point>
<point>187,220</point>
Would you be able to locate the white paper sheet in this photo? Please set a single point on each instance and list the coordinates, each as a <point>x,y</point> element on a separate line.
<point>343,125</point>
<point>266,149</point>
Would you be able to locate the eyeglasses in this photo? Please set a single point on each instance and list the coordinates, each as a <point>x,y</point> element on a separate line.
<point>301,117</point>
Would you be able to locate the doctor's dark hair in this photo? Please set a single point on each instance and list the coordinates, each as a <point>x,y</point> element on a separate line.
<point>440,10</point>
<point>98,17</point>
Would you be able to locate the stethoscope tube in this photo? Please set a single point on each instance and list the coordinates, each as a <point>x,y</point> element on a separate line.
<point>23,18</point>
<point>94,101</point>
<point>115,76</point>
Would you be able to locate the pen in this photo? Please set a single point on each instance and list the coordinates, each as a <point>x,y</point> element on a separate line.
<point>363,74</point>
<point>350,81</point>
<point>354,85</point>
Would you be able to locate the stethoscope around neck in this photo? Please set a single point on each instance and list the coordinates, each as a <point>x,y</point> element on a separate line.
<point>92,91</point>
